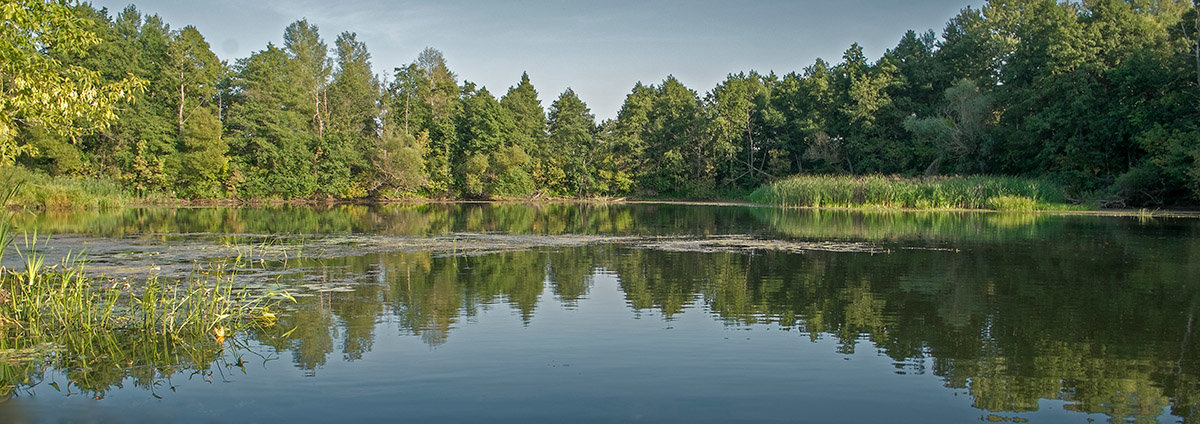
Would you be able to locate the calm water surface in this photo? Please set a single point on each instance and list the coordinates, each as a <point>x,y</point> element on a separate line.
<point>643,312</point>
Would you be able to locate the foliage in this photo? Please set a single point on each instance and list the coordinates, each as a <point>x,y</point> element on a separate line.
<point>42,191</point>
<point>572,136</point>
<point>398,162</point>
<point>37,89</point>
<point>959,135</point>
<point>1098,95</point>
<point>976,192</point>
<point>58,312</point>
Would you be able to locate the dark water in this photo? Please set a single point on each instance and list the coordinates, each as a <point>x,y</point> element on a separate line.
<point>862,317</point>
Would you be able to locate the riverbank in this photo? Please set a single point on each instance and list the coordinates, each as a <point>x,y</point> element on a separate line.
<point>996,193</point>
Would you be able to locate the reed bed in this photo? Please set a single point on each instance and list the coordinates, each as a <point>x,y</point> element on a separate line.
<point>45,302</point>
<point>58,303</point>
<point>41,191</point>
<point>879,191</point>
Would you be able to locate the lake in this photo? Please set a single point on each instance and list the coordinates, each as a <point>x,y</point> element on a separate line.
<point>644,312</point>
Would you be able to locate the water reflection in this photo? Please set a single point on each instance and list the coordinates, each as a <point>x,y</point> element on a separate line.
<point>1012,309</point>
<point>1109,334</point>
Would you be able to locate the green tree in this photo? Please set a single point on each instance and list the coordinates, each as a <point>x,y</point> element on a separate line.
<point>201,166</point>
<point>862,95</point>
<point>739,111</point>
<point>529,118</point>
<point>354,91</point>
<point>572,138</point>
<point>959,134</point>
<point>679,158</point>
<point>966,51</point>
<point>204,165</point>
<point>524,160</point>
<point>38,90</point>
<point>353,104</point>
<point>495,164</point>
<point>805,103</point>
<point>398,163</point>
<point>309,70</point>
<point>145,139</point>
<point>624,136</point>
<point>440,96</point>
<point>270,128</point>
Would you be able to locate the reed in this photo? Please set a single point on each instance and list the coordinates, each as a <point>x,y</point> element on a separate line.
<point>107,331</point>
<point>893,192</point>
<point>58,304</point>
<point>46,302</point>
<point>41,191</point>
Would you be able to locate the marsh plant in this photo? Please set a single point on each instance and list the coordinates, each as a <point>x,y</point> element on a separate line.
<point>57,316</point>
<point>893,192</point>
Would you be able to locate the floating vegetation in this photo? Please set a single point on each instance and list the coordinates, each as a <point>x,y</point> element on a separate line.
<point>744,243</point>
<point>178,256</point>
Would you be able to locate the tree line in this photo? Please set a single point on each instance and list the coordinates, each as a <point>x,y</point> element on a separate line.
<point>1100,95</point>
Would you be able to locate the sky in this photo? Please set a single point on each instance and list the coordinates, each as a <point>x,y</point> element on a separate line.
<point>598,48</point>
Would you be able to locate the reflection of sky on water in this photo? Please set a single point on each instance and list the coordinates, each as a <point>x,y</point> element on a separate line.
<point>992,316</point>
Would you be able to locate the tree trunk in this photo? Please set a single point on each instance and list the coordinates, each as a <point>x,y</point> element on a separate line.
<point>221,108</point>
<point>934,166</point>
<point>750,137</point>
<point>181,101</point>
<point>406,102</point>
<point>317,115</point>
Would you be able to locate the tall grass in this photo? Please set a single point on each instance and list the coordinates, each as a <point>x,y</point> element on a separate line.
<point>104,331</point>
<point>101,328</point>
<point>42,301</point>
<point>41,191</point>
<point>974,192</point>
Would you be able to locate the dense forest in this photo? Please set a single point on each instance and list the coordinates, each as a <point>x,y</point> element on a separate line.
<point>1102,96</point>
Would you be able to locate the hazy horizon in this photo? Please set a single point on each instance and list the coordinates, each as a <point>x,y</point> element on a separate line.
<point>599,50</point>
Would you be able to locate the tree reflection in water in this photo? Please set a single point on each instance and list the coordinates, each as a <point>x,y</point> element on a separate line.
<point>1011,308</point>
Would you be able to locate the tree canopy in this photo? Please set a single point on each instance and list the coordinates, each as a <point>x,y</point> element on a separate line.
<point>40,90</point>
<point>1099,95</point>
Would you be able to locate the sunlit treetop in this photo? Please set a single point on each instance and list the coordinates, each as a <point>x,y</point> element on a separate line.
<point>36,89</point>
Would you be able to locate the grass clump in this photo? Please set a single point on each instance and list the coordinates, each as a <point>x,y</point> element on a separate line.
<point>973,192</point>
<point>57,316</point>
<point>1012,203</point>
<point>46,302</point>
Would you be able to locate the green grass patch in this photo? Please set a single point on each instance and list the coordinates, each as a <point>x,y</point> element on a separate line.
<point>1012,203</point>
<point>892,192</point>
<point>42,191</point>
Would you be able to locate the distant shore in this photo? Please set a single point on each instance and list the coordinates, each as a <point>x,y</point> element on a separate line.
<point>824,192</point>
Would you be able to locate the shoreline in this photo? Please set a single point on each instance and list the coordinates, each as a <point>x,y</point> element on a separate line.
<point>236,203</point>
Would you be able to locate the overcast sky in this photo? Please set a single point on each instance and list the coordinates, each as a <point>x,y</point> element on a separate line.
<point>599,48</point>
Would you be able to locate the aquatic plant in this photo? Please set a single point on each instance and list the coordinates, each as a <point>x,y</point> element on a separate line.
<point>974,192</point>
<point>56,315</point>
<point>42,191</point>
